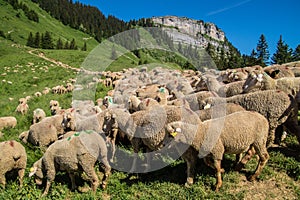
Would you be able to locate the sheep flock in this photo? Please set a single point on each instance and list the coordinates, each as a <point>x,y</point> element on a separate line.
<point>162,113</point>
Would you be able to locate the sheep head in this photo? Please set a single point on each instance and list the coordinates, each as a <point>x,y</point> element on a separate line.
<point>36,171</point>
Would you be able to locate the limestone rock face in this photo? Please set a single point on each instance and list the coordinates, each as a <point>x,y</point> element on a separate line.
<point>191,31</point>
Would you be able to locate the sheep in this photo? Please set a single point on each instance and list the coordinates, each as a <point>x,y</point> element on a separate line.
<point>76,122</point>
<point>38,115</point>
<point>210,113</point>
<point>46,90</point>
<point>7,122</point>
<point>240,131</point>
<point>44,132</point>
<point>278,71</point>
<point>77,152</point>
<point>38,94</point>
<point>13,157</point>
<point>146,127</point>
<point>290,85</point>
<point>194,99</point>
<point>23,106</point>
<point>275,105</point>
<point>54,107</point>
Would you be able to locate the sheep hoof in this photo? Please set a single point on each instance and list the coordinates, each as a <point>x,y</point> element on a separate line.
<point>252,178</point>
<point>84,189</point>
<point>189,182</point>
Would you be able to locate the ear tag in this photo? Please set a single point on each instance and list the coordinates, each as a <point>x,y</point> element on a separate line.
<point>173,134</point>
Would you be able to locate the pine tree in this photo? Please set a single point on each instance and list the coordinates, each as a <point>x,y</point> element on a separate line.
<point>47,42</point>
<point>59,44</point>
<point>67,46</point>
<point>30,40</point>
<point>283,54</point>
<point>262,51</point>
<point>37,40</point>
<point>73,44</point>
<point>296,53</point>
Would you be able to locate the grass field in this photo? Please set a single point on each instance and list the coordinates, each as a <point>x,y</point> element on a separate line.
<point>279,180</point>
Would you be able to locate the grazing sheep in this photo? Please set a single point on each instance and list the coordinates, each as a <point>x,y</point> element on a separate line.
<point>23,106</point>
<point>78,152</point>
<point>13,157</point>
<point>54,107</point>
<point>146,127</point>
<point>210,113</point>
<point>45,132</point>
<point>240,132</point>
<point>46,90</point>
<point>38,115</point>
<point>7,122</point>
<point>275,105</point>
<point>38,94</point>
<point>76,122</point>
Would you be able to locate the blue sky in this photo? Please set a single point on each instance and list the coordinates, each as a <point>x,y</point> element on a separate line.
<point>243,21</point>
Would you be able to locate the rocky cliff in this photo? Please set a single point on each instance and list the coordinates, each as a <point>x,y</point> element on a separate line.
<point>189,31</point>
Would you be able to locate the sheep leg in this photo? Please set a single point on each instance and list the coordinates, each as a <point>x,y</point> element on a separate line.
<point>48,184</point>
<point>208,162</point>
<point>91,174</point>
<point>21,173</point>
<point>2,180</point>
<point>190,156</point>
<point>107,170</point>
<point>263,159</point>
<point>72,177</point>
<point>240,165</point>
<point>217,166</point>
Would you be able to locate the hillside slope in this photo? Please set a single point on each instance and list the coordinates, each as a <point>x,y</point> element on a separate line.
<point>18,26</point>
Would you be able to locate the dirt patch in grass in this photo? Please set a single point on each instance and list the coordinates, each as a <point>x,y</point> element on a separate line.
<point>280,186</point>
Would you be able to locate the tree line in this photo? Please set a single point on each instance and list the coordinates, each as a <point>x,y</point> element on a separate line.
<point>30,14</point>
<point>261,55</point>
<point>83,17</point>
<point>45,41</point>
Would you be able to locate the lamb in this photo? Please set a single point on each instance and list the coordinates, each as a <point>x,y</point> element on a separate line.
<point>7,122</point>
<point>275,105</point>
<point>45,132</point>
<point>241,131</point>
<point>77,152</point>
<point>38,115</point>
<point>23,106</point>
<point>13,157</point>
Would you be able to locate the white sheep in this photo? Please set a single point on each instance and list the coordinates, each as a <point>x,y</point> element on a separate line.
<point>13,157</point>
<point>275,105</point>
<point>23,106</point>
<point>45,132</point>
<point>54,107</point>
<point>239,132</point>
<point>38,115</point>
<point>77,152</point>
<point>7,122</point>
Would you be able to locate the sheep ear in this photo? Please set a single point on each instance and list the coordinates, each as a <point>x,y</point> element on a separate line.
<point>260,77</point>
<point>32,171</point>
<point>207,106</point>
